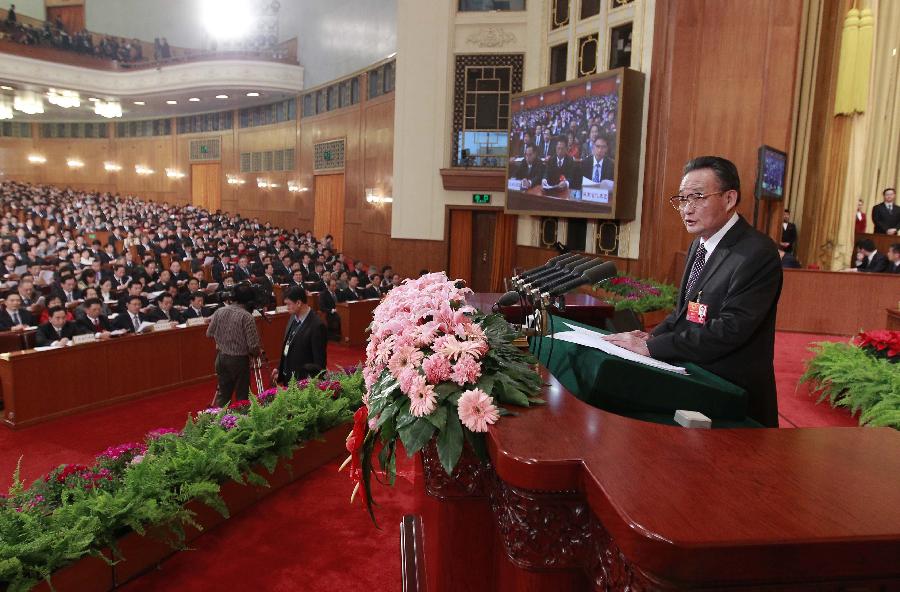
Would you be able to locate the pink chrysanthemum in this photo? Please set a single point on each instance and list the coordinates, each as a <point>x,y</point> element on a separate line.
<point>466,370</point>
<point>406,379</point>
<point>404,357</point>
<point>437,368</point>
<point>477,410</point>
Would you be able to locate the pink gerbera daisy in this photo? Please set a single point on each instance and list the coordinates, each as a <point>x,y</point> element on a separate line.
<point>477,410</point>
<point>423,400</point>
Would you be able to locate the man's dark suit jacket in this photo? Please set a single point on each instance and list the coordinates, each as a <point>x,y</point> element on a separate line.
<point>156,314</point>
<point>893,268</point>
<point>535,175</point>
<point>877,263</point>
<point>6,321</point>
<point>306,355</point>
<point>789,235</point>
<point>85,325</point>
<point>327,302</point>
<point>241,273</point>
<point>123,321</point>
<point>46,334</point>
<point>348,295</point>
<point>883,220</point>
<point>190,313</point>
<point>554,173</point>
<point>741,283</point>
<point>372,292</point>
<point>586,169</point>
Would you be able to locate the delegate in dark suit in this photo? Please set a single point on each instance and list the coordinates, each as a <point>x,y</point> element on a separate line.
<point>586,170</point>
<point>875,263</point>
<point>7,322</point>
<point>740,285</point>
<point>305,347</point>
<point>533,172</point>
<point>47,333</point>
<point>123,321</point>
<point>883,219</point>
<point>85,325</point>
<point>557,168</point>
<point>789,236</point>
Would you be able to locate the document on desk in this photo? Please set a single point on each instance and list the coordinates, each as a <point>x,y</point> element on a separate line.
<point>595,340</point>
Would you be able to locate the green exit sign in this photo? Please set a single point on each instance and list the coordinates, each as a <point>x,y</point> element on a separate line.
<point>481,198</point>
<point>204,149</point>
<point>326,155</point>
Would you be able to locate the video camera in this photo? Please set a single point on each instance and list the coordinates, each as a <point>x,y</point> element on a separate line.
<point>250,296</point>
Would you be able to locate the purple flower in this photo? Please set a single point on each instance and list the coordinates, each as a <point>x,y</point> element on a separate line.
<point>228,421</point>
<point>211,410</point>
<point>115,452</point>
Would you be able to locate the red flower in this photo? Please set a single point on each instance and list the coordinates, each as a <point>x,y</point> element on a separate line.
<point>239,404</point>
<point>880,340</point>
<point>355,440</point>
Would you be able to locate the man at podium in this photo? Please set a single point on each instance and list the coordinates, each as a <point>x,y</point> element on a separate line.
<point>724,320</point>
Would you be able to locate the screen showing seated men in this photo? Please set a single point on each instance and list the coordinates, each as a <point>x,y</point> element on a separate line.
<point>563,143</point>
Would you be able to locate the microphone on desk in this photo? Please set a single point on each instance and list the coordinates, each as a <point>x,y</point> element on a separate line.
<point>550,263</point>
<point>574,274</point>
<point>591,276</point>
<point>510,298</point>
<point>555,274</point>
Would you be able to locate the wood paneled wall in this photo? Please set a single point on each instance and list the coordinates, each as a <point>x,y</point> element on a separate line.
<point>722,83</point>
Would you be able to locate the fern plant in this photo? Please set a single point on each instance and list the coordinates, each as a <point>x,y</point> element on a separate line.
<point>76,510</point>
<point>848,376</point>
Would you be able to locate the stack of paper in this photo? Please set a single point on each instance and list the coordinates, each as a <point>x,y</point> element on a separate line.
<point>595,340</point>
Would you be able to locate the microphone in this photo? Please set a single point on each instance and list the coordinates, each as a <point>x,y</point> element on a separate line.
<point>555,273</point>
<point>576,273</point>
<point>551,264</point>
<point>568,273</point>
<point>508,299</point>
<point>591,276</point>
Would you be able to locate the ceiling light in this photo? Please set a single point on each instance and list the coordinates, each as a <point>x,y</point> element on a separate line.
<point>93,99</point>
<point>170,102</point>
<point>194,100</point>
<point>141,103</point>
<point>111,166</point>
<point>29,102</point>
<point>142,170</point>
<point>174,174</point>
<point>6,87</point>
<point>74,163</point>
<point>252,94</point>
<point>294,188</point>
<point>6,110</point>
<point>373,197</point>
<point>227,19</point>
<point>234,180</point>
<point>65,99</point>
<point>221,96</point>
<point>108,109</point>
<point>36,159</point>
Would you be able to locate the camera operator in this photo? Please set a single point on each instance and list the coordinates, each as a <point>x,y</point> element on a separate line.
<point>234,331</point>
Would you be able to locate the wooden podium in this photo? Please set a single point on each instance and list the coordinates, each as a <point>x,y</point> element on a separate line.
<point>356,316</point>
<point>576,498</point>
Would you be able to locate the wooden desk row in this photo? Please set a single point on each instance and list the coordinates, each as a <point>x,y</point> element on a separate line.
<point>36,386</point>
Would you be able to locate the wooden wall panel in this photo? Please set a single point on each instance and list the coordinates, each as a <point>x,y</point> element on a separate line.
<point>834,302</point>
<point>722,83</point>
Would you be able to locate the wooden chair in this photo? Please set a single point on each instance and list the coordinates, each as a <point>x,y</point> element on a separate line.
<point>10,341</point>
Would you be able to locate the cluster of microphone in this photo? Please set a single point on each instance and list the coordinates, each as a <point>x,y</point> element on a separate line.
<point>558,276</point>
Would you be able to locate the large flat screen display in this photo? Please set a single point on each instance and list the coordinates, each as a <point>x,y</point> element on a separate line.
<point>565,144</point>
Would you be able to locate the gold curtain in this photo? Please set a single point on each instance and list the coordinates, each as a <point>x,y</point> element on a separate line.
<point>843,99</point>
<point>881,154</point>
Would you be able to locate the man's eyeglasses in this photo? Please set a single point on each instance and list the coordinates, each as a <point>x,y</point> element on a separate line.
<point>697,200</point>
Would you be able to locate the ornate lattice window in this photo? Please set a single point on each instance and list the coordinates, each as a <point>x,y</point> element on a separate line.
<point>589,8</point>
<point>15,129</point>
<point>587,55</point>
<point>483,85</point>
<point>490,5</point>
<point>74,130</point>
<point>559,14</point>
<point>145,128</point>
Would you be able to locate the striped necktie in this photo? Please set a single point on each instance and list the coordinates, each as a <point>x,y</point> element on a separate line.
<point>696,269</point>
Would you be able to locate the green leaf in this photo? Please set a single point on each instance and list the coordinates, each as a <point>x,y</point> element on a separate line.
<point>438,418</point>
<point>415,435</point>
<point>450,442</point>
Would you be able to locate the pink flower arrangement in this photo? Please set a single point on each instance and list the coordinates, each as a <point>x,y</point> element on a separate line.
<point>160,432</point>
<point>423,334</point>
<point>116,452</point>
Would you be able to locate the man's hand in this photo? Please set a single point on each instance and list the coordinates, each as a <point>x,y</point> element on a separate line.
<point>274,377</point>
<point>635,341</point>
<point>892,231</point>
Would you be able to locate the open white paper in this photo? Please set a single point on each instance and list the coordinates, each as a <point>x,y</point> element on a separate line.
<point>595,340</point>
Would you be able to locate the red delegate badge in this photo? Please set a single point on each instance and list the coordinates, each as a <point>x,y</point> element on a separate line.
<point>696,312</point>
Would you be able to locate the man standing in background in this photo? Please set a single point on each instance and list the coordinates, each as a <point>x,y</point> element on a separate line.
<point>237,340</point>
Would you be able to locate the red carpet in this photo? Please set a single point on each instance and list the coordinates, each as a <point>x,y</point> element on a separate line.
<point>796,407</point>
<point>306,536</point>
